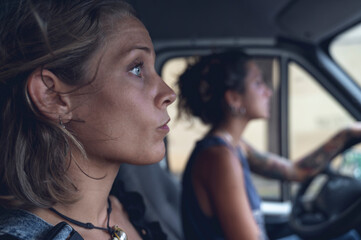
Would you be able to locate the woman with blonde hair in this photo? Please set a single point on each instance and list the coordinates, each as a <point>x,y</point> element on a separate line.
<point>79,96</point>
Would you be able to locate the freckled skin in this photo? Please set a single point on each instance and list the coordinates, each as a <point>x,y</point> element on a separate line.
<point>120,117</point>
<point>129,100</point>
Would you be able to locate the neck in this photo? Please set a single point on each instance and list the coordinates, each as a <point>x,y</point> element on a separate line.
<point>231,130</point>
<point>88,225</point>
<point>94,183</point>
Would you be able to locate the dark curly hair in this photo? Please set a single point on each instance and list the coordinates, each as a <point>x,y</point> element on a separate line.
<point>203,84</point>
<point>60,36</point>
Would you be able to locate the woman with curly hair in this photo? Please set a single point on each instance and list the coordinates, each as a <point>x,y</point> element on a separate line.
<point>219,201</point>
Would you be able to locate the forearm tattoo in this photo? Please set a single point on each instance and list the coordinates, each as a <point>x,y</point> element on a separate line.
<point>274,166</point>
<point>323,155</point>
<point>268,165</point>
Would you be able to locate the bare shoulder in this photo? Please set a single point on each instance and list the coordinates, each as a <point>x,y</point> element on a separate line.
<point>217,161</point>
<point>217,155</point>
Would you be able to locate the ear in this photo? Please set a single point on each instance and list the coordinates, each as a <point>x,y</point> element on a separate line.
<point>47,93</point>
<point>233,98</point>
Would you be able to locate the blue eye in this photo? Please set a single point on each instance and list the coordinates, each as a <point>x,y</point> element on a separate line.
<point>137,70</point>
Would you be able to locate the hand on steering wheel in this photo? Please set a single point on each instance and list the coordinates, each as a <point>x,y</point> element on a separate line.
<point>332,211</point>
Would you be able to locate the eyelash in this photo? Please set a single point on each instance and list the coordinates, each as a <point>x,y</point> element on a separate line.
<point>138,65</point>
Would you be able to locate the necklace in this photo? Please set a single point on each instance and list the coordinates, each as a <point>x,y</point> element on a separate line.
<point>115,232</point>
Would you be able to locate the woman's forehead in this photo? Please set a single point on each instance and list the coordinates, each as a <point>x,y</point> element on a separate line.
<point>128,35</point>
<point>253,68</point>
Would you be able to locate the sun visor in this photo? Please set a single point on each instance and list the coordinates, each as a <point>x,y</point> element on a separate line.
<point>314,21</point>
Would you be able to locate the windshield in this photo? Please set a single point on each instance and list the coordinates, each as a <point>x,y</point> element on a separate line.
<point>346,51</point>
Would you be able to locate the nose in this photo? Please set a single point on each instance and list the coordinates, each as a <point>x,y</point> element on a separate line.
<point>268,91</point>
<point>165,96</point>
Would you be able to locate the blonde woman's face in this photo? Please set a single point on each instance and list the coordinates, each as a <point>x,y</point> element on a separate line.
<point>125,114</point>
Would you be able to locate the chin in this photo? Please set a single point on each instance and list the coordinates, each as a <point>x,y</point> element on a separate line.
<point>158,157</point>
<point>261,115</point>
<point>155,155</point>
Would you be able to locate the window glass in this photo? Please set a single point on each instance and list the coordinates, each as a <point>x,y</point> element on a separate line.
<point>314,115</point>
<point>346,50</point>
<point>260,133</point>
<point>185,132</point>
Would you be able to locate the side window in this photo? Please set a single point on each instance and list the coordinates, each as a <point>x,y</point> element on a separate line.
<point>185,132</point>
<point>346,50</point>
<point>261,133</point>
<point>314,115</point>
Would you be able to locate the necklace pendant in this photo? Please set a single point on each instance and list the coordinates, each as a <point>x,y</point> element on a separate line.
<point>118,234</point>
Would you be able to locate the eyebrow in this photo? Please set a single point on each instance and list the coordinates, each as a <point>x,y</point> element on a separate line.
<point>141,48</point>
<point>137,47</point>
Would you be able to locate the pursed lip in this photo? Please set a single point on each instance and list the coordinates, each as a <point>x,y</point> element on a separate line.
<point>165,126</point>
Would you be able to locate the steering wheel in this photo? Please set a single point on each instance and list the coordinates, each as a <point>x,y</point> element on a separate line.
<point>334,209</point>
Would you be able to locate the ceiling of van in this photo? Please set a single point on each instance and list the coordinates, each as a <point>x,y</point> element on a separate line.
<point>305,20</point>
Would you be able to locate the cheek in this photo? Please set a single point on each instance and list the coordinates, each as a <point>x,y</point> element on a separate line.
<point>255,104</point>
<point>120,127</point>
<point>143,139</point>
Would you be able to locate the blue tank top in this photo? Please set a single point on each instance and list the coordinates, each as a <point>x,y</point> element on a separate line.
<point>196,225</point>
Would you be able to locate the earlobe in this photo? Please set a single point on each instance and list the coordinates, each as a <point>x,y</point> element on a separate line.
<point>233,98</point>
<point>46,93</point>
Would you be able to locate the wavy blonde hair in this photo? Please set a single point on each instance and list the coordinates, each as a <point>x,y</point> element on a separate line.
<point>59,36</point>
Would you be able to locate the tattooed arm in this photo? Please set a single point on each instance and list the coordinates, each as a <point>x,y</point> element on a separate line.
<point>274,166</point>
<point>268,164</point>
